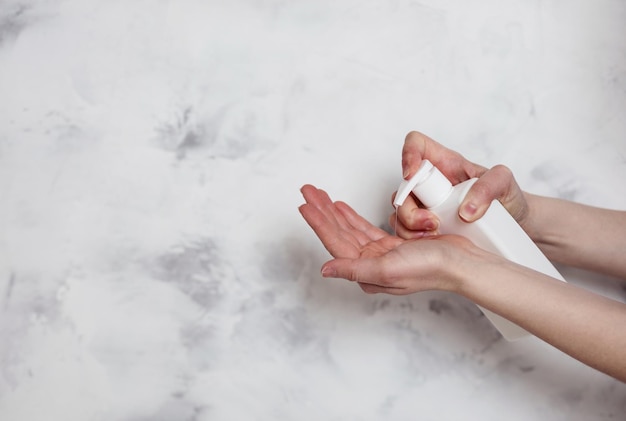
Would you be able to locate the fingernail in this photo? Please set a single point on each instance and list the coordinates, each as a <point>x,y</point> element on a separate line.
<point>468,211</point>
<point>328,272</point>
<point>431,224</point>
<point>405,173</point>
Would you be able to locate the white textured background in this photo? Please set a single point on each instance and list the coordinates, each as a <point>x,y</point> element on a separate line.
<point>153,265</point>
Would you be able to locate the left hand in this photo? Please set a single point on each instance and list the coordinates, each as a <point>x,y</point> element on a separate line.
<point>376,260</point>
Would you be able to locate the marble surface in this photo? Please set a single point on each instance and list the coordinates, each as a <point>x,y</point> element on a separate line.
<point>153,264</point>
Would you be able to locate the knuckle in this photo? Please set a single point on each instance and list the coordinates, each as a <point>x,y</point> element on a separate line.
<point>483,190</point>
<point>412,135</point>
<point>502,171</point>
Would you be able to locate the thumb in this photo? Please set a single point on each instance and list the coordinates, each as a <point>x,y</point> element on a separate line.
<point>493,185</point>
<point>356,270</point>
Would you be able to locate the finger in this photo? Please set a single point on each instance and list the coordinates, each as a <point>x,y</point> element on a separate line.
<point>371,232</point>
<point>335,232</point>
<point>363,270</point>
<point>370,274</point>
<point>454,166</point>
<point>317,198</point>
<point>418,146</point>
<point>328,232</point>
<point>414,218</point>
<point>413,153</point>
<point>405,233</point>
<point>314,211</point>
<point>494,184</point>
<point>320,199</point>
<point>317,212</point>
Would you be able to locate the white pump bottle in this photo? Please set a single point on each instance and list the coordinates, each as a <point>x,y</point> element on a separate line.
<point>496,231</point>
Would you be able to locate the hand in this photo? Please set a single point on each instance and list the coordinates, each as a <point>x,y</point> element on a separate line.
<point>496,183</point>
<point>377,261</point>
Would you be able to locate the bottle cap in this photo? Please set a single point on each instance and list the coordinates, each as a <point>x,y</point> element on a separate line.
<point>428,184</point>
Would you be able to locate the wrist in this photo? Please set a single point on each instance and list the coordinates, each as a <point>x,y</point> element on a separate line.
<point>542,223</point>
<point>530,222</point>
<point>467,267</point>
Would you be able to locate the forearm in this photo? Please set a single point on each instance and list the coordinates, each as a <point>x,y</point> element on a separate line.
<point>588,327</point>
<point>578,235</point>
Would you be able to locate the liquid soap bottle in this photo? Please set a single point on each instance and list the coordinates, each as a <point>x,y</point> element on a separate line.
<point>496,231</point>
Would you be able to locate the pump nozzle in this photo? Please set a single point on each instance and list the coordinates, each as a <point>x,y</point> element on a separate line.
<point>407,186</point>
<point>429,185</point>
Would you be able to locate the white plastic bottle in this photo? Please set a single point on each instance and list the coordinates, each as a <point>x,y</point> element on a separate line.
<point>496,231</point>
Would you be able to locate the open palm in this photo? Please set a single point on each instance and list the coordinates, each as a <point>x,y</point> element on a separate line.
<point>344,233</point>
<point>378,261</point>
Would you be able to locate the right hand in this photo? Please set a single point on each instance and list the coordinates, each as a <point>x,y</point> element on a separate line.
<point>497,183</point>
